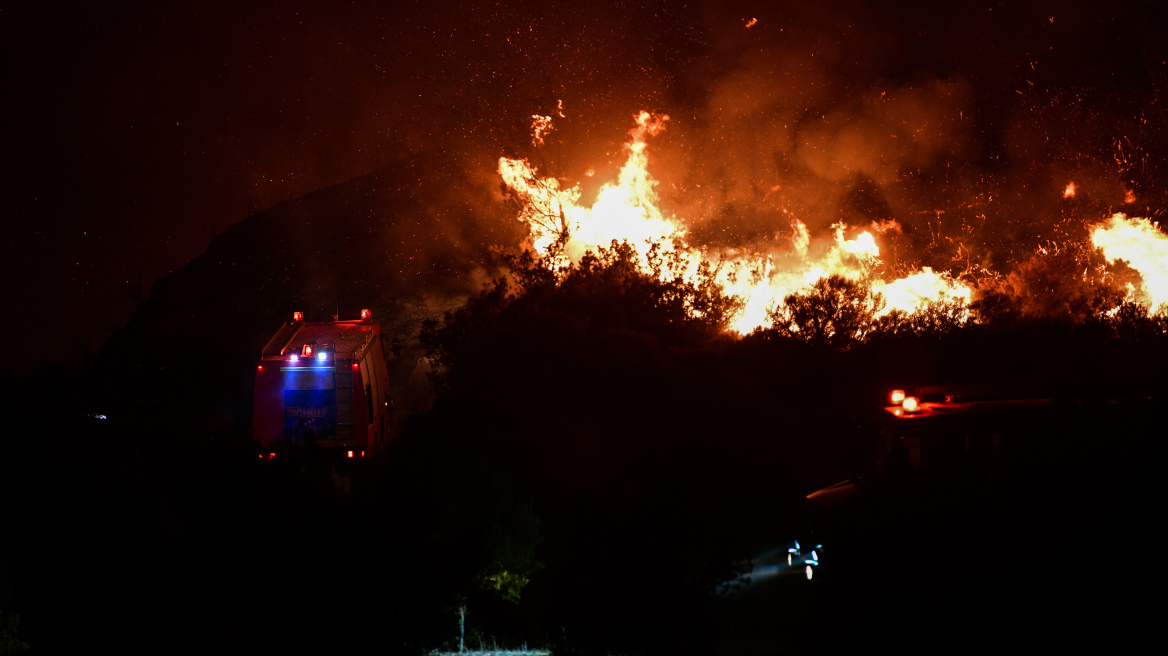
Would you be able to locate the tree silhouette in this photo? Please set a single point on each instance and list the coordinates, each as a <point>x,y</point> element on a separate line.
<point>835,312</point>
<point>607,291</point>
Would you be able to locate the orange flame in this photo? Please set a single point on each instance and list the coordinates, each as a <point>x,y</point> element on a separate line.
<point>1069,192</point>
<point>540,127</point>
<point>628,210</point>
<point>1140,243</point>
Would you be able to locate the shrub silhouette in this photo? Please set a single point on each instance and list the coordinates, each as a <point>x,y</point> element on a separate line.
<point>836,312</point>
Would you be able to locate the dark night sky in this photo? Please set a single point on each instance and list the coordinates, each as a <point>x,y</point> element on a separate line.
<point>137,130</point>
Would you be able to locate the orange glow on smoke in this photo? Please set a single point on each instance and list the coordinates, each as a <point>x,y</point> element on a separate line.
<point>627,209</point>
<point>1069,192</point>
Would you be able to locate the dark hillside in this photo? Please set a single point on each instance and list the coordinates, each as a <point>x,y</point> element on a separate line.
<point>406,242</point>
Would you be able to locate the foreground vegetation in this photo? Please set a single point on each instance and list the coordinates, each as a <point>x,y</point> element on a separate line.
<point>598,459</point>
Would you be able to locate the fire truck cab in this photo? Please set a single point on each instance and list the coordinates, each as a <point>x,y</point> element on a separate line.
<point>961,429</point>
<point>324,384</point>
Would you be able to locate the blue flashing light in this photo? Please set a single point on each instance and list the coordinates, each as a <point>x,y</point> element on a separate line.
<point>294,357</point>
<point>321,356</point>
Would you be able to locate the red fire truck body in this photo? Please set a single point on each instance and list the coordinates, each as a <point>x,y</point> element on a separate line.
<point>322,383</point>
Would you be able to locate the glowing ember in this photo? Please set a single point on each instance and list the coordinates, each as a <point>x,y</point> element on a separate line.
<point>1140,243</point>
<point>1129,197</point>
<point>1069,192</point>
<point>563,230</point>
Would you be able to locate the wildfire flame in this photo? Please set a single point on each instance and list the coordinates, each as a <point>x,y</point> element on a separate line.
<point>628,210</point>
<point>1069,192</point>
<point>540,127</point>
<point>1140,243</point>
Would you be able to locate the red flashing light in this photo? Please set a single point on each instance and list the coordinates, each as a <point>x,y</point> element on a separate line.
<point>366,315</point>
<point>272,456</point>
<point>297,316</point>
<point>911,404</point>
<point>356,366</point>
<point>350,454</point>
<point>897,397</point>
<point>306,351</point>
<point>260,367</point>
<point>362,454</point>
<point>261,456</point>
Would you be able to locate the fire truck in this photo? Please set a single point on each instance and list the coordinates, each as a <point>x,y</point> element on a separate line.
<point>967,430</point>
<point>323,384</point>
